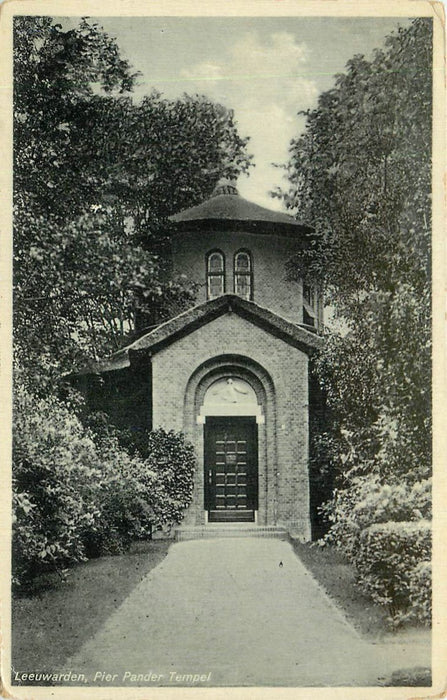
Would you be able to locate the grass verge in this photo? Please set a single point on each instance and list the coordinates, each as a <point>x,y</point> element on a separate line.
<point>52,624</point>
<point>337,577</point>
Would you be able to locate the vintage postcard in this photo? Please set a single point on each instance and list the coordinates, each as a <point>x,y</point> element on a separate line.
<point>223,349</point>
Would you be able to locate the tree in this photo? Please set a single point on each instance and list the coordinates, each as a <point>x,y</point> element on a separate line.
<point>361,174</point>
<point>95,177</point>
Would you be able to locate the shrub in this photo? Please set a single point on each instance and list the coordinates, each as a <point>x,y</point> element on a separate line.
<point>56,469</point>
<point>170,457</point>
<point>77,494</point>
<point>126,493</point>
<point>420,593</point>
<point>139,495</point>
<point>393,565</point>
<point>384,530</point>
<point>368,500</point>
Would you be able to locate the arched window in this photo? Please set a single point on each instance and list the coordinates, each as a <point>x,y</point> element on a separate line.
<point>243,275</point>
<point>215,274</point>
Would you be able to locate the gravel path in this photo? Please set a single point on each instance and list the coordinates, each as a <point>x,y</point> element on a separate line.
<point>226,613</point>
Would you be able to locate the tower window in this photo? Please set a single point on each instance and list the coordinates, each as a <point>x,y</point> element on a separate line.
<point>308,295</point>
<point>243,275</point>
<point>215,272</point>
<point>309,305</point>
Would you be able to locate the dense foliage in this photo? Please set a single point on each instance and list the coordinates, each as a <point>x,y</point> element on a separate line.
<point>361,174</point>
<point>95,176</point>
<point>77,494</point>
<point>394,565</point>
<point>384,528</point>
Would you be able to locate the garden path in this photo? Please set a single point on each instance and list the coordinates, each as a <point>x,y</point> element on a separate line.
<point>225,609</point>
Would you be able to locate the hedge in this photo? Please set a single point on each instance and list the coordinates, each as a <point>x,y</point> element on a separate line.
<point>393,562</point>
<point>384,531</point>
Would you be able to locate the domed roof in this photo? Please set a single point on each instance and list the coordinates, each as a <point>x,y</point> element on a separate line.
<point>225,204</point>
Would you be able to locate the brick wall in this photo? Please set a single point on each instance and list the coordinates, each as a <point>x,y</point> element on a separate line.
<point>279,375</point>
<point>269,255</point>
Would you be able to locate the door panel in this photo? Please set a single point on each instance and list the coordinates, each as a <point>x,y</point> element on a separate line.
<point>231,468</point>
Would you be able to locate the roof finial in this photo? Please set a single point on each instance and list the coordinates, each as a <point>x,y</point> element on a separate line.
<point>225,186</point>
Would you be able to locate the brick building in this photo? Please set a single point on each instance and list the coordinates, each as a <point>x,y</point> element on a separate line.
<point>232,372</point>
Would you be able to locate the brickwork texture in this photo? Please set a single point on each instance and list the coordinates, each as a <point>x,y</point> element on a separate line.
<point>232,346</point>
<point>269,253</point>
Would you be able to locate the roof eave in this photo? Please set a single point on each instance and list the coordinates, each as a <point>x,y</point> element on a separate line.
<point>292,230</point>
<point>194,318</point>
<point>187,322</point>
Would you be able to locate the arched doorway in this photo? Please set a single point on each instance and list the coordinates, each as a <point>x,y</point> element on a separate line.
<point>206,401</point>
<point>231,414</point>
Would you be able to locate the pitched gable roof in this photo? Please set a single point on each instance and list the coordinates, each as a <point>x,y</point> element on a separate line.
<point>185,323</point>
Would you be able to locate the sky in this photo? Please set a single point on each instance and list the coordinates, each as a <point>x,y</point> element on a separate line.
<point>264,68</point>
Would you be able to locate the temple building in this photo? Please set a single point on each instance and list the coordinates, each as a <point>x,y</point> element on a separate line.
<point>232,372</point>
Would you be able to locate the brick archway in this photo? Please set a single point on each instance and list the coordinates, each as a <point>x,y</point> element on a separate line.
<point>247,370</point>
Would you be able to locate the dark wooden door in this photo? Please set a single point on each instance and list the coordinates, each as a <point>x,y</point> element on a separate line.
<point>231,469</point>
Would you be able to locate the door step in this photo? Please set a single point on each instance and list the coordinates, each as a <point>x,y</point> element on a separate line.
<point>229,530</point>
<point>231,516</point>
